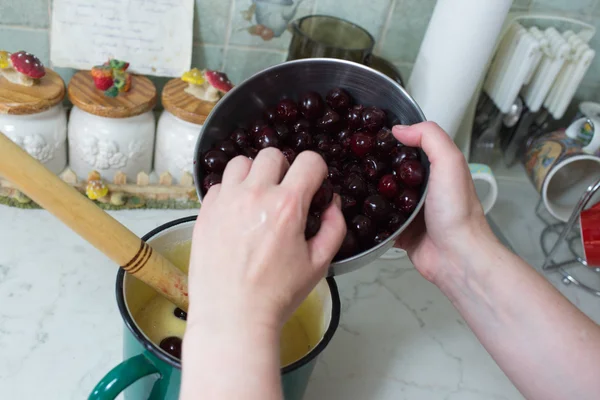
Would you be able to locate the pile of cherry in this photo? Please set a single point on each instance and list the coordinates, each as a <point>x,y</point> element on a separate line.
<point>378,178</point>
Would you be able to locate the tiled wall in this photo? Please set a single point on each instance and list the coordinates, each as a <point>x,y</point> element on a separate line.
<point>223,30</point>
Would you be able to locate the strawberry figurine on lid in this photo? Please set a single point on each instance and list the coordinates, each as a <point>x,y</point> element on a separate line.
<point>22,68</point>
<point>111,77</point>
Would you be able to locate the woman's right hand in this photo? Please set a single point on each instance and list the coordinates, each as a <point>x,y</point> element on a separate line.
<point>453,217</point>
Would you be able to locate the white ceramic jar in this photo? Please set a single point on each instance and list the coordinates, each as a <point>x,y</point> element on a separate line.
<point>111,134</point>
<point>178,129</point>
<point>43,135</point>
<point>33,117</point>
<point>110,145</point>
<point>175,143</point>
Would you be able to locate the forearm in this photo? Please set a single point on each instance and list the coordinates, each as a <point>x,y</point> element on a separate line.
<point>239,363</point>
<point>545,345</point>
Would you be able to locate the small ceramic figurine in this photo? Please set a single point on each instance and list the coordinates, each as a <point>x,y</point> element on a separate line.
<point>187,102</point>
<point>272,17</point>
<point>31,111</point>
<point>111,125</point>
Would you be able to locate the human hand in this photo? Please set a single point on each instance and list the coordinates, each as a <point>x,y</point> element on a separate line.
<point>452,215</point>
<point>250,258</point>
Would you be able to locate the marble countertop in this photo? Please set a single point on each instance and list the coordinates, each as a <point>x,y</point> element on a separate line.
<point>399,337</point>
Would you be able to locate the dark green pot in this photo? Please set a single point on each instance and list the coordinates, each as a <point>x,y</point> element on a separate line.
<point>147,372</point>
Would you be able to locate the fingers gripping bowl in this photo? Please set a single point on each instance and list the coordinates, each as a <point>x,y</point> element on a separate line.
<point>254,99</point>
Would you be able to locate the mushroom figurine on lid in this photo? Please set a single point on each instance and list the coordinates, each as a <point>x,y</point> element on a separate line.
<point>206,85</point>
<point>187,102</point>
<point>21,67</point>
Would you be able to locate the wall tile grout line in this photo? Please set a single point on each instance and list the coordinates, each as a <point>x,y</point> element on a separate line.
<point>50,33</point>
<point>385,27</point>
<point>257,48</point>
<point>24,28</point>
<point>228,35</point>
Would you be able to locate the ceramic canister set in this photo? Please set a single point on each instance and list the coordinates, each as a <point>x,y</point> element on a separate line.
<point>110,129</point>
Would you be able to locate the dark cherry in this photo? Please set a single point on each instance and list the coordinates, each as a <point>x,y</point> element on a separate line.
<point>172,345</point>
<point>395,221</point>
<point>373,119</point>
<point>311,105</point>
<point>338,99</point>
<point>302,125</point>
<point>363,227</point>
<point>376,207</point>
<point>227,147</point>
<point>287,111</point>
<point>313,224</point>
<point>353,167</point>
<point>336,151</point>
<point>334,175</point>
<point>322,143</point>
<point>210,180</point>
<point>407,200</point>
<point>179,313</point>
<point>270,115</point>
<point>240,138</point>
<point>385,142</point>
<point>256,127</point>
<point>336,164</point>
<point>282,131</point>
<point>404,153</point>
<point>373,167</point>
<point>355,186</point>
<point>354,117</point>
<point>388,186</point>
<point>349,246</point>
<point>348,205</point>
<point>301,141</point>
<point>215,161</point>
<point>410,173</point>
<point>250,152</point>
<point>289,154</point>
<point>343,138</point>
<point>322,198</point>
<point>372,188</point>
<point>361,144</point>
<point>381,236</point>
<point>329,122</point>
<point>267,137</point>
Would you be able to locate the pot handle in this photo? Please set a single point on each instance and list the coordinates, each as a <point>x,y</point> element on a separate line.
<point>123,375</point>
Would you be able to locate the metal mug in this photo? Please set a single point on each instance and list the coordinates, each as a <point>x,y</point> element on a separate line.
<point>148,372</point>
<point>291,79</point>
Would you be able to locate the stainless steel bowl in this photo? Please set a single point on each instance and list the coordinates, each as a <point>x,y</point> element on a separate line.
<point>291,79</point>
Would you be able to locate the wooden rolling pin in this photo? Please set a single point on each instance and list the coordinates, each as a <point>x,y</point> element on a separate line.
<point>92,223</point>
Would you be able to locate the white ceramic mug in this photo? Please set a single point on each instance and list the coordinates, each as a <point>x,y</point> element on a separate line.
<point>586,130</point>
<point>560,171</point>
<point>487,191</point>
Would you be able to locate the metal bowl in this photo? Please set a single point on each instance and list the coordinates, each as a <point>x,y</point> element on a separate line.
<point>293,78</point>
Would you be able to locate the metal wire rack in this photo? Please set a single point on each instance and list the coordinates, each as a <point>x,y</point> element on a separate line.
<point>574,270</point>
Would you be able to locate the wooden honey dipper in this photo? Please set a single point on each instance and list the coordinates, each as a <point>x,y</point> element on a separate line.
<point>92,223</point>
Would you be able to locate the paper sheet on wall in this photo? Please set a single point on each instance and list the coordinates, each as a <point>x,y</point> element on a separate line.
<point>155,36</point>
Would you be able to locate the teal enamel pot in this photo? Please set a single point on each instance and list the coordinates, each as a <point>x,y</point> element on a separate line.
<point>147,372</point>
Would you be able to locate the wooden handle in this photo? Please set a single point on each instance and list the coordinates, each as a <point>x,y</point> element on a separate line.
<point>92,223</point>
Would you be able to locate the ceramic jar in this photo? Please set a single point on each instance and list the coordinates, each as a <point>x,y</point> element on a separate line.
<point>178,129</point>
<point>111,134</point>
<point>34,118</point>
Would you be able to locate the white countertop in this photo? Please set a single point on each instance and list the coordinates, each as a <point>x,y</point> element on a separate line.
<point>399,337</point>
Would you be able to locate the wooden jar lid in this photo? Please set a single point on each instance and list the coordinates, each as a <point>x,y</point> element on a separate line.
<point>183,105</point>
<point>139,99</point>
<point>18,99</point>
